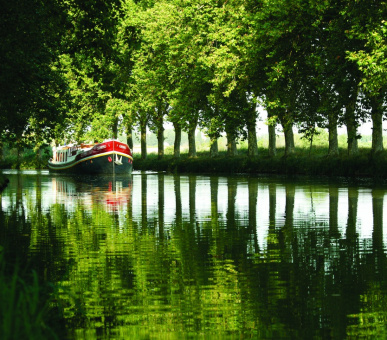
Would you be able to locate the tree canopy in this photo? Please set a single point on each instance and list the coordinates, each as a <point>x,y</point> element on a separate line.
<point>78,70</point>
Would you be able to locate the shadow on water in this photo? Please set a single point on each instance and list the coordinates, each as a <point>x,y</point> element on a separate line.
<point>157,255</point>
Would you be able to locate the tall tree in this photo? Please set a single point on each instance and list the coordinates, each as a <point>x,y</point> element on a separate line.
<point>93,62</point>
<point>369,26</point>
<point>31,87</point>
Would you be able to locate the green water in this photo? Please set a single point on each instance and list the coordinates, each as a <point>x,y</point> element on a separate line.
<point>160,256</point>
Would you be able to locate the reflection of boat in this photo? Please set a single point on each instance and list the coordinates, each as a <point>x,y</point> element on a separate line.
<point>108,157</point>
<point>110,191</point>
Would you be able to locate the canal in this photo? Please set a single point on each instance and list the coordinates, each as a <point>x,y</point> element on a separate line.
<point>204,257</point>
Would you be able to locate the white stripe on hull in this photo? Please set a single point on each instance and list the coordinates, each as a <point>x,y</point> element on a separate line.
<point>53,166</point>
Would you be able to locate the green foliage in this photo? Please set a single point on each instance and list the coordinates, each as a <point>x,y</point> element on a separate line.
<point>30,85</point>
<point>28,158</point>
<point>112,66</point>
<point>24,312</point>
<point>370,26</point>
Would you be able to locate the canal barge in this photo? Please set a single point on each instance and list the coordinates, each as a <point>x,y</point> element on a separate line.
<point>108,157</point>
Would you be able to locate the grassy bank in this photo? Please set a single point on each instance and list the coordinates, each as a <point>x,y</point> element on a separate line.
<point>301,162</point>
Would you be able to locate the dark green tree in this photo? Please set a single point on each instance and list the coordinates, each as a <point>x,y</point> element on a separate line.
<point>31,85</point>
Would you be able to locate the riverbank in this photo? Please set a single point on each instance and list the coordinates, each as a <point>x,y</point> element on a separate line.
<point>301,163</point>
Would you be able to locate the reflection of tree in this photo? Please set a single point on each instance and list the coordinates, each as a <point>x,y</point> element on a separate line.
<point>353,195</point>
<point>129,210</point>
<point>179,210</point>
<point>370,321</point>
<point>253,198</point>
<point>19,196</point>
<point>286,235</point>
<point>231,194</point>
<point>161,199</point>
<point>377,235</point>
<point>192,199</point>
<point>333,210</point>
<point>214,187</point>
<point>275,291</point>
<point>207,275</point>
<point>144,206</point>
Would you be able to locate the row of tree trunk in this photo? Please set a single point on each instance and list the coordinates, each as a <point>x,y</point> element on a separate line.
<point>287,127</point>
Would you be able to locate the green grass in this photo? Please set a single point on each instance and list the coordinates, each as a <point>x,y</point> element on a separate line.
<point>302,162</point>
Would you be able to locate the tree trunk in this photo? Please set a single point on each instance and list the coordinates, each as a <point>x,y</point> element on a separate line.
<point>377,125</point>
<point>191,141</point>
<point>129,137</point>
<point>271,130</point>
<point>289,137</point>
<point>176,146</point>
<point>214,150</point>
<point>287,126</point>
<point>272,141</point>
<point>333,139</point>
<point>143,141</point>
<point>160,142</point>
<point>159,112</point>
<point>352,137</point>
<point>231,144</point>
<point>351,123</point>
<point>252,148</point>
<point>115,128</point>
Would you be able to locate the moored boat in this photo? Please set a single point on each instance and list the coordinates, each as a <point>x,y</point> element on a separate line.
<point>111,156</point>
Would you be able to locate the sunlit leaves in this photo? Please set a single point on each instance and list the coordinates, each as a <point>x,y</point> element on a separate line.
<point>372,60</point>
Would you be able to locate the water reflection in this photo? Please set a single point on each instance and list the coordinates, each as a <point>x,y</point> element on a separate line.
<point>193,256</point>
